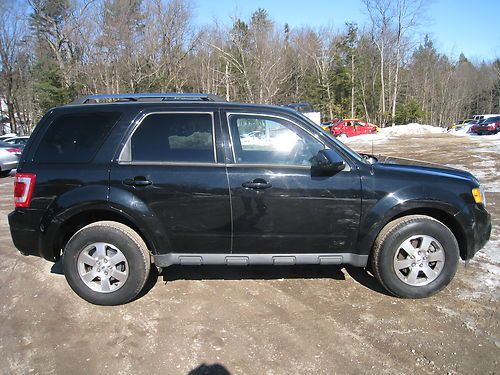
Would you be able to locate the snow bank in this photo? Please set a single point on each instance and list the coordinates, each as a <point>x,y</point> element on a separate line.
<point>410,129</point>
<point>395,131</point>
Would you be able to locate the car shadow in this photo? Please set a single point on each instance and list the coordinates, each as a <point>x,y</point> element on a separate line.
<point>360,275</point>
<point>176,272</point>
<point>263,272</point>
<point>366,279</point>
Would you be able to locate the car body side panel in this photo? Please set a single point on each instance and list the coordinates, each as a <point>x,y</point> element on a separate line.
<point>388,193</point>
<point>7,160</point>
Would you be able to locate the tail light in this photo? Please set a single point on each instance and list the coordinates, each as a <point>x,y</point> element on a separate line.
<point>24,184</point>
<point>14,150</point>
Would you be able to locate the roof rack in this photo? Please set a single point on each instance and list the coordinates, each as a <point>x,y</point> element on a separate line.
<point>145,96</point>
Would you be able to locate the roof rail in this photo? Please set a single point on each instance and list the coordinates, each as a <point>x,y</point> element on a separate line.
<point>137,97</point>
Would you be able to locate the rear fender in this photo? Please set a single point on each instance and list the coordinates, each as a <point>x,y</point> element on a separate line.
<point>92,199</point>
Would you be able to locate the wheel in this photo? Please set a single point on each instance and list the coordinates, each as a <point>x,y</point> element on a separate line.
<point>415,256</point>
<point>106,263</point>
<point>5,173</point>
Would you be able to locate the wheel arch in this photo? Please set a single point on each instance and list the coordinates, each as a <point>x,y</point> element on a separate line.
<point>439,214</point>
<point>83,218</point>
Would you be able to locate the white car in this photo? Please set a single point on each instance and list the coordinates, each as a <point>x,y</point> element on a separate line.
<point>9,157</point>
<point>8,135</point>
<point>18,141</point>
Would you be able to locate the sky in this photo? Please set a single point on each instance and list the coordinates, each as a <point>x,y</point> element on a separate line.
<point>468,26</point>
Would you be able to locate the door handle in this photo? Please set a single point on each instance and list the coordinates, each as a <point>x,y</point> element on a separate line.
<point>257,184</point>
<point>137,181</point>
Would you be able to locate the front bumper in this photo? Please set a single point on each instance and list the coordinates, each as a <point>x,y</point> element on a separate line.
<point>480,231</point>
<point>482,131</point>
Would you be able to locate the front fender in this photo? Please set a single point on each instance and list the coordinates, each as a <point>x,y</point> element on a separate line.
<point>377,213</point>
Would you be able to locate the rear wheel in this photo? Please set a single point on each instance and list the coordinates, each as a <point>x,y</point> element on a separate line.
<point>106,263</point>
<point>5,173</point>
<point>415,256</point>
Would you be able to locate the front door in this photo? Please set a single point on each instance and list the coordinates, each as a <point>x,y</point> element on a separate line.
<point>278,207</point>
<point>170,163</point>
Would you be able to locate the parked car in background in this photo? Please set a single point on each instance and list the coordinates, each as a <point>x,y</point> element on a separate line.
<point>326,126</point>
<point>463,126</point>
<point>352,127</point>
<point>459,125</point>
<point>484,117</point>
<point>487,126</point>
<point>18,141</point>
<point>9,157</point>
<point>7,136</point>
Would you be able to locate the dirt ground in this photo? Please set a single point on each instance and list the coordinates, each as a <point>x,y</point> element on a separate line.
<point>262,320</point>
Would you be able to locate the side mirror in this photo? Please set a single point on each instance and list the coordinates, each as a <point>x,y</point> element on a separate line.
<point>326,163</point>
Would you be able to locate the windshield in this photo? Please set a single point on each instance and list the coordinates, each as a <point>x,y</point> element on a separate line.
<point>342,146</point>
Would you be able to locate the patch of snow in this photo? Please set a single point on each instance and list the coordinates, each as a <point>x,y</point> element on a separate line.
<point>395,131</point>
<point>377,137</point>
<point>411,129</point>
<point>463,131</point>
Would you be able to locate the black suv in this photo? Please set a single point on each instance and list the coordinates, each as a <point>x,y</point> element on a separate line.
<point>116,183</point>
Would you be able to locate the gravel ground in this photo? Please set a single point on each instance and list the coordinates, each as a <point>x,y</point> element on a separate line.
<point>262,320</point>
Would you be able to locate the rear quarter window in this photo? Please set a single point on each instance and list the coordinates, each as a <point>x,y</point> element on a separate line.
<point>75,138</point>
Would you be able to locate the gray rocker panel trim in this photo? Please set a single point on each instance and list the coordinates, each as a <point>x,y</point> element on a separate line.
<point>190,259</point>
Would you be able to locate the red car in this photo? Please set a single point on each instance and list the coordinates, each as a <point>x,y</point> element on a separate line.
<point>352,127</point>
<point>487,126</point>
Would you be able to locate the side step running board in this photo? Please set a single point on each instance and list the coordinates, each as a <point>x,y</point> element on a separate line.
<point>187,259</point>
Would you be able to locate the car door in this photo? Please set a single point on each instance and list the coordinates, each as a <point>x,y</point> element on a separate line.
<point>171,164</point>
<point>360,128</point>
<point>350,130</point>
<point>277,206</point>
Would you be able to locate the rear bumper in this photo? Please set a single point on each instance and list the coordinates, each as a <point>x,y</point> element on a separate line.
<point>6,165</point>
<point>25,231</point>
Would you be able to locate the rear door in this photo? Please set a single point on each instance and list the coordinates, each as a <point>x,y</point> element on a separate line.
<point>277,206</point>
<point>171,163</point>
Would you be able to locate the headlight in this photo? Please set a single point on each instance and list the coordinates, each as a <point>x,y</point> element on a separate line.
<point>478,194</point>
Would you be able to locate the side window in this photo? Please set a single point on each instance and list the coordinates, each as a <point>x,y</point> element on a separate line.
<point>174,137</point>
<point>75,138</point>
<point>264,140</point>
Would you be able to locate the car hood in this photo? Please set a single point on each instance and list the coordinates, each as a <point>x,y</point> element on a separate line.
<point>411,165</point>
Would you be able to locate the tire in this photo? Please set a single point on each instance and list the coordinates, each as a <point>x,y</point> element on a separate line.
<point>111,248</point>
<point>435,254</point>
<point>5,173</point>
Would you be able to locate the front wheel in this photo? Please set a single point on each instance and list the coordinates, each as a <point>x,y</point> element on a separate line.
<point>415,256</point>
<point>106,263</point>
<point>5,173</point>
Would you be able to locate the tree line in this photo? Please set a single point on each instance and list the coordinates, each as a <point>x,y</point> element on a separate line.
<point>54,50</point>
